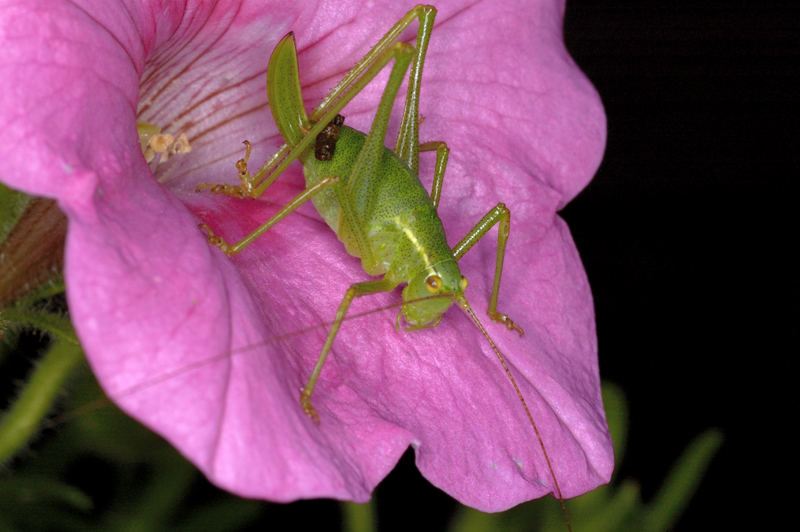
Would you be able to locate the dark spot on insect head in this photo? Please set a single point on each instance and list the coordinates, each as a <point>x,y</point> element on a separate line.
<point>326,140</point>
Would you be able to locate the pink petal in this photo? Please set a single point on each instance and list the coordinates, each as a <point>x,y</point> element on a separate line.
<point>163,315</point>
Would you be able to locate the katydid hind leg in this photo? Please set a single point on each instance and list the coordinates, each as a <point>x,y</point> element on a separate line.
<point>401,53</point>
<point>407,144</point>
<point>253,185</point>
<point>366,69</point>
<point>424,13</point>
<point>502,216</point>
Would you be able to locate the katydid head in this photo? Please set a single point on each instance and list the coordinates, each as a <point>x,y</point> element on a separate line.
<point>433,290</point>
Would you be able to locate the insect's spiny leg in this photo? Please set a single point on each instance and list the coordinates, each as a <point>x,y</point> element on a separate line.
<point>499,214</point>
<point>421,12</point>
<point>237,191</point>
<point>355,290</point>
<point>442,154</point>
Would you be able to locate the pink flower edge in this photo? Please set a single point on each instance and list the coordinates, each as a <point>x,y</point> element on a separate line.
<point>162,315</point>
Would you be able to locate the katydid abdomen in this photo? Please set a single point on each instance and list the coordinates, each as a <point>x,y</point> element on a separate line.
<point>397,231</point>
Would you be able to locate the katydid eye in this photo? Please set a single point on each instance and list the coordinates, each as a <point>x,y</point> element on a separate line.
<point>433,283</point>
<point>463,283</point>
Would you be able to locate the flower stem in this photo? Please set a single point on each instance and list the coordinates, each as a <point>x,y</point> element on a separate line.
<point>19,423</point>
<point>358,517</point>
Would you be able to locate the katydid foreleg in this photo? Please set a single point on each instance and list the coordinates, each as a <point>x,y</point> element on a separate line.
<point>499,214</point>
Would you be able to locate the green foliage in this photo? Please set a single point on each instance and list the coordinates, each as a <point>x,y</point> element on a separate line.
<point>37,397</point>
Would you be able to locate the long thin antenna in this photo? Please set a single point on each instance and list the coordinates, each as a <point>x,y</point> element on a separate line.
<point>462,302</point>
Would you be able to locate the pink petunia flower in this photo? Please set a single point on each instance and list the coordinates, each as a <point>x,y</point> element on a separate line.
<point>192,343</point>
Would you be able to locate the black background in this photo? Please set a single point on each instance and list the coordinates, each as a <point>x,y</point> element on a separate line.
<point>687,234</point>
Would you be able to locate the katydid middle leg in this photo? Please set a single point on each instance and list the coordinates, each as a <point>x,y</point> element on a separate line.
<point>442,153</point>
<point>355,290</point>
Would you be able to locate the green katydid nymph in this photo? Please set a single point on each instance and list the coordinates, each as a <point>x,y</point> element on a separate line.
<point>370,195</point>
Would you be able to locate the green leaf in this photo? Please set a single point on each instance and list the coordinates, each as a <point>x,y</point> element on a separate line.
<point>469,520</point>
<point>23,490</point>
<point>682,482</point>
<point>40,502</point>
<point>37,397</point>
<point>228,513</point>
<point>168,484</point>
<point>612,515</point>
<point>52,287</point>
<point>616,407</point>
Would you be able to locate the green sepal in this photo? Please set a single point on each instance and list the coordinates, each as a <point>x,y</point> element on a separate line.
<point>146,131</point>
<point>12,205</point>
<point>25,316</point>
